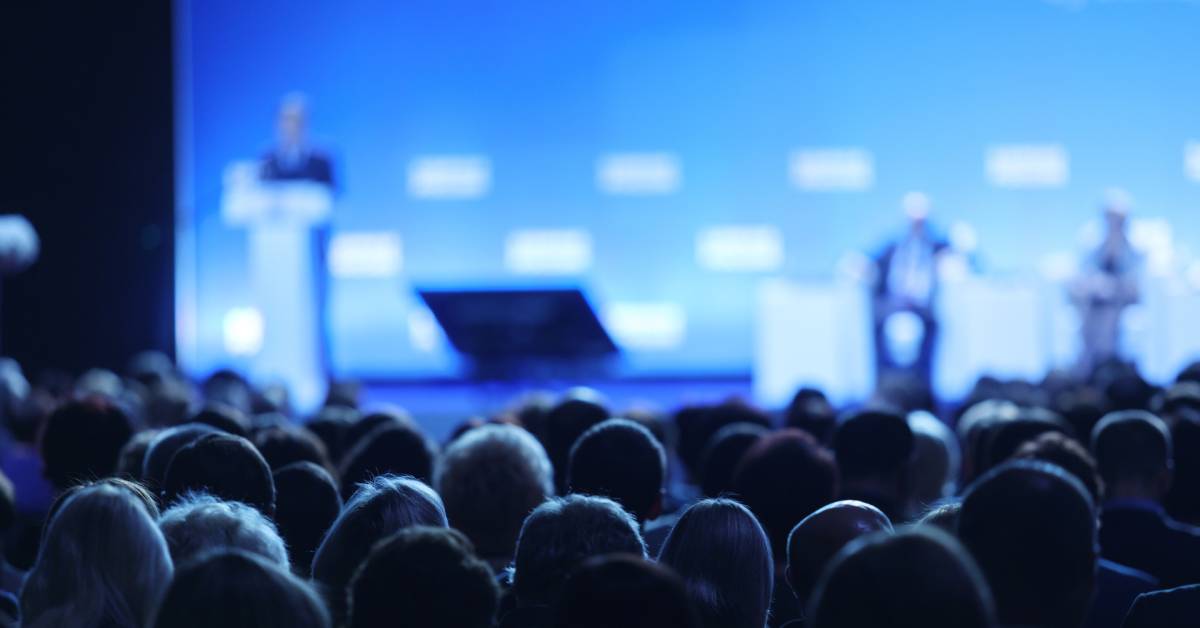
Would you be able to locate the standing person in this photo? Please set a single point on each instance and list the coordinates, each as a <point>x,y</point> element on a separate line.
<point>1106,285</point>
<point>293,158</point>
<point>905,286</point>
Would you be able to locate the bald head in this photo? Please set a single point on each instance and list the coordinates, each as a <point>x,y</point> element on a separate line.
<point>816,539</point>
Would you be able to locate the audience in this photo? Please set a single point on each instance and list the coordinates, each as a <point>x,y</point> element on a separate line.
<point>621,460</point>
<point>162,450</point>
<point>396,448</point>
<point>199,523</point>
<point>306,504</point>
<point>624,591</point>
<point>874,452</point>
<point>721,455</point>
<point>565,423</point>
<point>935,463</point>
<point>423,577</point>
<point>82,441</point>
<point>223,465</point>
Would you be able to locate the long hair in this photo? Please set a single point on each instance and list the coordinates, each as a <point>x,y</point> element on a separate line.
<point>724,557</point>
<point>103,563</point>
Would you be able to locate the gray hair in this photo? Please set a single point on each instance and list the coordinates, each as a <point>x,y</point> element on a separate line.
<point>200,522</point>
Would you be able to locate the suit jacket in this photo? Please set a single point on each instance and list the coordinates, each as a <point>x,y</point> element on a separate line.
<point>1142,536</point>
<point>312,166</point>
<point>1175,608</point>
<point>1117,586</point>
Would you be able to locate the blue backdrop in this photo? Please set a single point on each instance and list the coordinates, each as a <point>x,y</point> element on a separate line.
<point>543,89</point>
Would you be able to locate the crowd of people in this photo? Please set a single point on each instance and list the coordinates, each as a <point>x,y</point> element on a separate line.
<point>142,500</point>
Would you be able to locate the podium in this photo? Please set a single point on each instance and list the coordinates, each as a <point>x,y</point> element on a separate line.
<point>282,219</point>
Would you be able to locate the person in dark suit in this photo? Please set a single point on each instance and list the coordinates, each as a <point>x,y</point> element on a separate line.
<point>293,158</point>
<point>1133,450</point>
<point>906,282</point>
<point>1174,608</point>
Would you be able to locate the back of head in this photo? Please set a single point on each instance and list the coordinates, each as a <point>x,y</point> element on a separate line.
<point>1006,437</point>
<point>1183,499</point>
<point>423,577</point>
<point>378,509</point>
<point>281,446</point>
<point>225,466</point>
<point>200,523</point>
<point>1131,446</point>
<point>872,444</point>
<point>1032,530</point>
<point>331,425</point>
<point>394,448</point>
<point>724,558</point>
<point>1059,449</point>
<point>224,417</point>
<point>936,458</point>
<point>811,411</point>
<point>721,456</point>
<point>783,478</point>
<point>306,504</point>
<point>698,424</point>
<point>133,454</point>
<point>103,562</point>
<point>559,535</point>
<point>627,591</point>
<point>821,535</point>
<point>235,589</point>
<point>491,478</point>
<point>164,446</point>
<point>565,423</point>
<point>918,577</point>
<point>82,441</point>
<point>621,460</point>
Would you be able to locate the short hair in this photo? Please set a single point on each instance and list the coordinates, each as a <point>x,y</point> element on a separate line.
<point>723,453</point>
<point>237,589</point>
<point>307,502</point>
<point>936,458</point>
<point>1057,448</point>
<point>281,446</point>
<point>559,535</point>
<point>385,505</point>
<point>1032,529</point>
<point>163,448</point>
<point>367,423</point>
<point>811,411</point>
<point>224,417</point>
<point>872,443</point>
<point>627,591</point>
<point>724,558</point>
<point>565,423</point>
<point>491,478</point>
<point>814,541</point>
<point>621,460</point>
<point>943,516</point>
<point>917,577</point>
<point>697,424</point>
<point>1004,438</point>
<point>425,577</point>
<point>102,562</point>
<point>200,523</point>
<point>129,462</point>
<point>331,425</point>
<point>222,465</point>
<point>1131,445</point>
<point>82,441</point>
<point>783,478</point>
<point>398,449</point>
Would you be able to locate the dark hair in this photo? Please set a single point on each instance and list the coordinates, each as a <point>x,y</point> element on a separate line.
<point>559,535</point>
<point>1183,498</point>
<point>235,589</point>
<point>1131,445</point>
<point>1006,437</point>
<point>820,536</point>
<point>872,443</point>
<point>281,446</point>
<point>621,460</point>
<point>424,578</point>
<point>367,423</point>
<point>82,441</point>
<point>917,577</point>
<point>397,448</point>
<point>331,424</point>
<point>565,423</point>
<point>724,558</point>
<point>723,453</point>
<point>626,591</point>
<point>1057,448</point>
<point>697,424</point>
<point>1032,529</point>
<point>943,516</point>
<point>103,562</point>
<point>224,466</point>
<point>306,504</point>
<point>491,478</point>
<point>784,478</point>
<point>200,523</point>
<point>163,448</point>
<point>811,411</point>
<point>379,508</point>
<point>223,417</point>
<point>133,454</point>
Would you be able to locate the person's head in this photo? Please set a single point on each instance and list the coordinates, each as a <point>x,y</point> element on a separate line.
<point>397,449</point>
<point>164,446</point>
<point>225,466</point>
<point>224,417</point>
<point>381,507</point>
<point>1183,499</point>
<point>491,478</point>
<point>916,207</point>
<point>200,523</point>
<point>1074,458</point>
<point>306,504</point>
<point>1133,452</point>
<point>423,577</point>
<point>698,424</point>
<point>281,446</point>
<point>943,516</point>
<point>1116,206</point>
<point>1005,437</point>
<point>724,558</point>
<point>237,589</point>
<point>292,121</point>
<point>917,577</point>
<point>783,478</point>
<point>103,562</point>
<point>936,459</point>
<point>821,535</point>
<point>131,488</point>
<point>562,533</point>
<point>331,425</point>
<point>722,454</point>
<point>627,591</point>
<point>621,460</point>
<point>367,423</point>
<point>874,451</point>
<point>565,423</point>
<point>1031,528</point>
<point>82,441</point>
<point>811,411</point>
<point>133,454</point>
